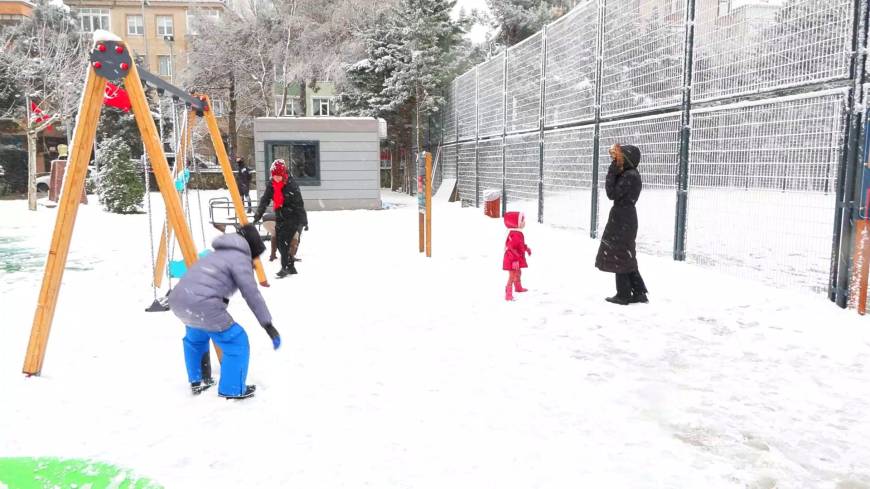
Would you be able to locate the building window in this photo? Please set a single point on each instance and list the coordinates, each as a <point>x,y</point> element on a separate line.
<point>194,19</point>
<point>302,158</point>
<point>217,105</point>
<point>164,65</point>
<point>292,107</point>
<point>676,6</point>
<point>164,26</point>
<point>321,106</point>
<point>724,7</point>
<point>135,26</point>
<point>94,18</point>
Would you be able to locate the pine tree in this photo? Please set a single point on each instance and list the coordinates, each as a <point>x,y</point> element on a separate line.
<point>411,54</point>
<point>120,188</point>
<point>515,20</point>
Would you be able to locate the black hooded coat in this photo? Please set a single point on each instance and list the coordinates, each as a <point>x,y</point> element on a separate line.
<point>618,250</point>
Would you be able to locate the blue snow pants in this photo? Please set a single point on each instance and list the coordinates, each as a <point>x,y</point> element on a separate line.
<point>234,364</point>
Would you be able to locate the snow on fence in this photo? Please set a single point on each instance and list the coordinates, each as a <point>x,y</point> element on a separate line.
<point>524,86</point>
<point>568,177</point>
<point>491,97</point>
<point>765,98</point>
<point>490,172</point>
<point>572,46</point>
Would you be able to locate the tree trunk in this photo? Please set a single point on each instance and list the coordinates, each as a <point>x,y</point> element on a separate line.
<point>394,168</point>
<point>31,170</point>
<point>231,123</point>
<point>302,101</point>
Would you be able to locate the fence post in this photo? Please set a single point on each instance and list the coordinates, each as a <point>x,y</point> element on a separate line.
<point>476,136</point>
<point>685,137</point>
<point>456,134</point>
<point>541,125</point>
<point>504,132</point>
<point>599,75</point>
<point>842,249</point>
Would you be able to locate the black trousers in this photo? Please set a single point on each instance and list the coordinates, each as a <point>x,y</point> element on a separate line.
<point>246,197</point>
<point>628,284</point>
<point>284,231</point>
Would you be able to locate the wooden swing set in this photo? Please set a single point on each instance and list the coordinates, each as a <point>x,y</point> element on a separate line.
<point>110,60</point>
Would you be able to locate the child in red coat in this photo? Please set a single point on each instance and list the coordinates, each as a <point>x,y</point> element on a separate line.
<point>515,250</point>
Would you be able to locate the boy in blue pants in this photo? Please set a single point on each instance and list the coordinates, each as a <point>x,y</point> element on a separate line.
<point>200,301</point>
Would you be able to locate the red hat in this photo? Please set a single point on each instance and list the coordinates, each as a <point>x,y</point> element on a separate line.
<point>279,168</point>
<point>512,219</point>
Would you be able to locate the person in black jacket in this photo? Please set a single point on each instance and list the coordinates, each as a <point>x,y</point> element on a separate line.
<point>243,181</point>
<point>290,217</point>
<point>618,251</point>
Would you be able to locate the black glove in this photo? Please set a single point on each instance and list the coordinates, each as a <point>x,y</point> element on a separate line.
<point>273,334</point>
<point>257,219</point>
<point>226,300</point>
<point>306,227</point>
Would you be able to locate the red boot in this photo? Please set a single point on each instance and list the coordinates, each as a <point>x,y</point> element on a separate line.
<point>508,293</point>
<point>518,283</point>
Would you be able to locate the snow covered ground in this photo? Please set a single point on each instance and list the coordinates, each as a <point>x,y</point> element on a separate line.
<point>399,371</point>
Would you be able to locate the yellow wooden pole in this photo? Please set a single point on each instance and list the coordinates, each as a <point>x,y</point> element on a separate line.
<point>428,204</point>
<point>74,183</point>
<point>160,265</point>
<point>221,152</point>
<point>154,147</point>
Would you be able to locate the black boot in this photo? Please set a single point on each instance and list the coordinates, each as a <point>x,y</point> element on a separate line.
<point>197,387</point>
<point>617,299</point>
<point>249,392</point>
<point>291,269</point>
<point>639,298</point>
<point>283,273</point>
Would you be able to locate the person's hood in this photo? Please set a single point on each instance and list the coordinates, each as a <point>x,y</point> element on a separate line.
<point>631,156</point>
<point>231,241</point>
<point>512,219</point>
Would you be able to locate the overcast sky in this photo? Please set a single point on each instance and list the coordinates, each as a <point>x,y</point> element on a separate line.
<point>478,33</point>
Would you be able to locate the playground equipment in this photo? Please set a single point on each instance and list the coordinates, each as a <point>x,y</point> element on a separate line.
<point>110,59</point>
<point>424,201</point>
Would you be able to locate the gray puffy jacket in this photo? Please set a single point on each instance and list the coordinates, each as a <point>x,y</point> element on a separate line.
<point>198,299</point>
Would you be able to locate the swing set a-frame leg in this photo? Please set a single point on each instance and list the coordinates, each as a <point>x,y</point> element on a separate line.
<point>221,152</point>
<point>109,58</point>
<point>86,129</point>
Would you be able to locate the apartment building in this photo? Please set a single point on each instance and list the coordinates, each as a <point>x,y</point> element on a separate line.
<point>157,31</point>
<point>14,11</point>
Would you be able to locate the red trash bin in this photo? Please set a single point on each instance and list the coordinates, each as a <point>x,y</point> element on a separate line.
<point>492,203</point>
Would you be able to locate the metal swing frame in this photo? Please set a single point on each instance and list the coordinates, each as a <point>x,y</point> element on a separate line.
<point>110,60</point>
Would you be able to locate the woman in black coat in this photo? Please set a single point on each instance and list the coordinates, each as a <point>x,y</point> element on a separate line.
<point>618,251</point>
<point>290,216</point>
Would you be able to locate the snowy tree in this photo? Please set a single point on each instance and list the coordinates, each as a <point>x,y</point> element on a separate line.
<point>121,187</point>
<point>411,53</point>
<point>515,20</point>
<point>275,46</point>
<point>44,62</point>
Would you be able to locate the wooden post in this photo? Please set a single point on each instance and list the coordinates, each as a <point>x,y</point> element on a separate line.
<point>154,148</point>
<point>86,129</point>
<point>227,170</point>
<point>428,204</point>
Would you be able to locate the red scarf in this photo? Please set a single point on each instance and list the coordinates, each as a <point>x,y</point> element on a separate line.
<point>278,196</point>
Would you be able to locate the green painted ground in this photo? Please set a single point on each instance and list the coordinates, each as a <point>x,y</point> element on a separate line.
<point>51,473</point>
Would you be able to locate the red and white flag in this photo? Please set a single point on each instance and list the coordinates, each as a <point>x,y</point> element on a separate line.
<point>38,116</point>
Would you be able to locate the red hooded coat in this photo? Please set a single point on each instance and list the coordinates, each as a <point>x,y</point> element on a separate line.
<point>515,248</point>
